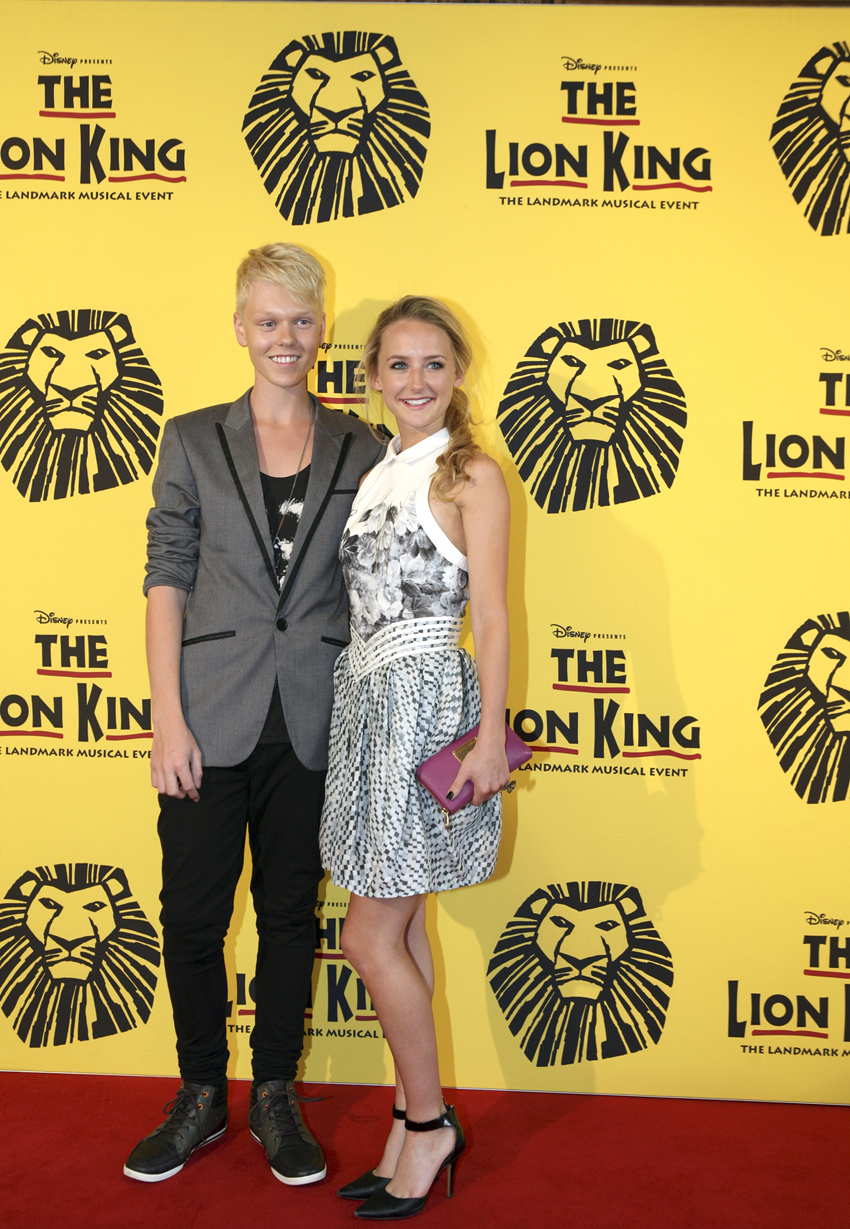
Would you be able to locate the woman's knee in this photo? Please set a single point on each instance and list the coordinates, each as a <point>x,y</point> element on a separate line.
<point>354,949</point>
<point>365,948</point>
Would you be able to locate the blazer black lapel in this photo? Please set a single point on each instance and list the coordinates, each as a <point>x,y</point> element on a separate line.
<point>240,453</point>
<point>329,454</point>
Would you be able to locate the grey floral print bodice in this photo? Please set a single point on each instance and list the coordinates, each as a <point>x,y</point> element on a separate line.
<point>397,562</point>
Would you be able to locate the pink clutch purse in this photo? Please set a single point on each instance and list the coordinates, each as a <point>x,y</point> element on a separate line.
<point>438,771</point>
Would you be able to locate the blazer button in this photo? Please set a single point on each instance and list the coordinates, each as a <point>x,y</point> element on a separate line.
<point>281,625</point>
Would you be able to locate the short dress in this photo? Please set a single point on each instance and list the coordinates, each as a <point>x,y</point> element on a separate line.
<point>403,690</point>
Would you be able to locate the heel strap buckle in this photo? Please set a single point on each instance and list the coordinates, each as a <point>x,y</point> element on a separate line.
<point>433,1124</point>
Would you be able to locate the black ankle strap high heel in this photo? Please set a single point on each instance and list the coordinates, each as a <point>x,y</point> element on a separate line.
<point>369,1183</point>
<point>384,1206</point>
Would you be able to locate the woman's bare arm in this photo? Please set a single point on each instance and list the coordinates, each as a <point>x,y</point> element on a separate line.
<point>485,511</point>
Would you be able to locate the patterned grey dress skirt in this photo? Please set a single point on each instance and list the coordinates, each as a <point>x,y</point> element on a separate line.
<point>382,834</point>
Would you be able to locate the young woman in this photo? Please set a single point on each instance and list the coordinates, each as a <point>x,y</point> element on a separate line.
<point>427,531</point>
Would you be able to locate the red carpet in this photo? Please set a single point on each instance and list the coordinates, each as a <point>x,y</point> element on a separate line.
<point>532,1159</point>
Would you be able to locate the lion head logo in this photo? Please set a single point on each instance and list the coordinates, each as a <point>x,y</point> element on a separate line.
<point>79,405</point>
<point>580,974</point>
<point>592,416</point>
<point>77,955</point>
<point>338,128</point>
<point>805,708</point>
<point>811,139</point>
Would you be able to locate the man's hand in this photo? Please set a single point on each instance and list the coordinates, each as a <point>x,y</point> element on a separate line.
<point>176,761</point>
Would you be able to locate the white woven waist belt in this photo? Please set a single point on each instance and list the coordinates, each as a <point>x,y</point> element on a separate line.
<point>402,639</point>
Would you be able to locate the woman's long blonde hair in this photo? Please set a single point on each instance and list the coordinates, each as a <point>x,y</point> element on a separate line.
<point>461,448</point>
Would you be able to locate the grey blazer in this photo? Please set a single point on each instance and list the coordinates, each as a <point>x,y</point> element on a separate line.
<point>208,534</point>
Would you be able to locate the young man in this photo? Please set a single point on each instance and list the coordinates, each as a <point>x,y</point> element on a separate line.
<point>246,617</point>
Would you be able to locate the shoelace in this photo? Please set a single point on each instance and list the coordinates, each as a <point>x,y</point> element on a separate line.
<point>278,1107</point>
<point>182,1111</point>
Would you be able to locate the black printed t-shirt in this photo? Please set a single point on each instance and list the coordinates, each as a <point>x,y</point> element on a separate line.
<point>276,493</point>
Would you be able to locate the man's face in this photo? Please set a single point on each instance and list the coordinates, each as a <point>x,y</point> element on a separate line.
<point>282,337</point>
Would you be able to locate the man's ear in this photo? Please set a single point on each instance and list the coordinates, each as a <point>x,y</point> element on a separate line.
<point>239,329</point>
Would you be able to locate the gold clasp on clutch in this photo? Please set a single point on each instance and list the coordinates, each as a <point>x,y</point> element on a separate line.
<point>460,753</point>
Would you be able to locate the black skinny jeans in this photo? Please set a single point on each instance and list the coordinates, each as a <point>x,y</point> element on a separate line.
<point>203,845</point>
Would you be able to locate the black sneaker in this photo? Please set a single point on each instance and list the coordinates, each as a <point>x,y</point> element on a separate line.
<point>196,1116</point>
<point>276,1123</point>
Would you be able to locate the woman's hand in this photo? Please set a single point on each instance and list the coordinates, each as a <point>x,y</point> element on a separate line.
<point>486,766</point>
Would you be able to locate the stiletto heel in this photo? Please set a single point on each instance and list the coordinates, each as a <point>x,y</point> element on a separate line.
<point>370,1182</point>
<point>385,1206</point>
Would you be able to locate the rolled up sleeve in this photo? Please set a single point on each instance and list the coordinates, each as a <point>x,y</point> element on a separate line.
<point>174,521</point>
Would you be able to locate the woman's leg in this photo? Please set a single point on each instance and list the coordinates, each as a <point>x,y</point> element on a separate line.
<point>385,941</point>
<point>419,950</point>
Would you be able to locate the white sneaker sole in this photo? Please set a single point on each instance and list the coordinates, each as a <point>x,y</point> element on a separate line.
<point>301,1181</point>
<point>317,1177</point>
<point>169,1173</point>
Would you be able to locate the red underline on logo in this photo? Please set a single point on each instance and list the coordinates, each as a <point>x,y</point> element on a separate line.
<point>824,973</point>
<point>246,1011</point>
<point>365,1017</point>
<point>79,674</point>
<point>653,187</point>
<point>77,114</point>
<point>308,1015</point>
<point>57,178</point>
<point>117,738</point>
<point>610,123</point>
<point>617,691</point>
<point>823,409</point>
<point>152,175</point>
<point>547,183</point>
<point>787,1032</point>
<point>341,400</point>
<point>560,750</point>
<point>329,956</point>
<point>31,734</point>
<point>796,473</point>
<point>680,755</point>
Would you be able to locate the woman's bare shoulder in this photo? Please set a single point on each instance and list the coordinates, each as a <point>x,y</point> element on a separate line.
<point>484,486</point>
<point>482,471</point>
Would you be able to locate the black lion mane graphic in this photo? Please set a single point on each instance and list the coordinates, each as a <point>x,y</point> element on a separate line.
<point>580,974</point>
<point>79,405</point>
<point>806,709</point>
<point>811,139</point>
<point>77,955</point>
<point>337,127</point>
<point>588,432</point>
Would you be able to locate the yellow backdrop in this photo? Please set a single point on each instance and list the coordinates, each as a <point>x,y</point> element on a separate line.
<point>641,214</point>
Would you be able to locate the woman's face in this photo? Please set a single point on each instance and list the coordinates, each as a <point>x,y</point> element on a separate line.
<point>416,376</point>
